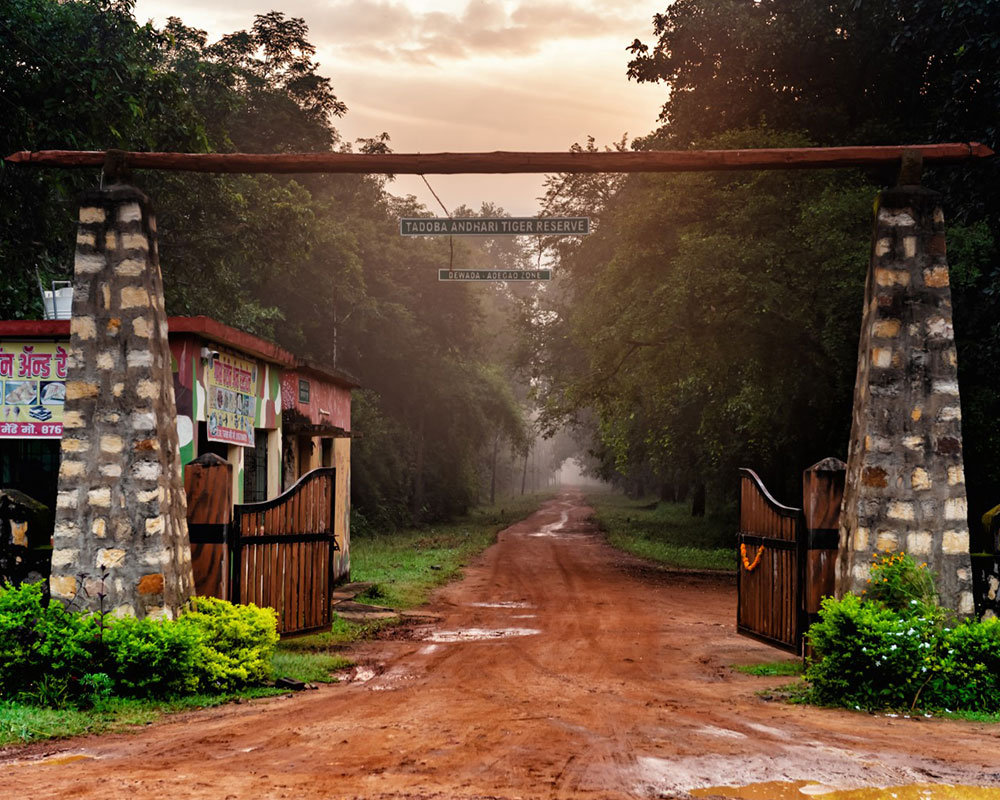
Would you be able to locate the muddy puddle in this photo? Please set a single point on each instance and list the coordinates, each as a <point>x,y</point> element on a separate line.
<point>802,790</point>
<point>503,604</point>
<point>53,760</point>
<point>480,634</point>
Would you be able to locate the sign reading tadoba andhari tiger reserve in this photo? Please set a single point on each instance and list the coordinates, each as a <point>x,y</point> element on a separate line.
<point>32,390</point>
<point>232,400</point>
<point>494,226</point>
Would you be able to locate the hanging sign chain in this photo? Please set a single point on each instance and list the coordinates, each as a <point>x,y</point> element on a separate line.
<point>451,239</point>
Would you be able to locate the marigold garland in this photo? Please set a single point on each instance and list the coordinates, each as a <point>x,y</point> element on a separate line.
<point>748,565</point>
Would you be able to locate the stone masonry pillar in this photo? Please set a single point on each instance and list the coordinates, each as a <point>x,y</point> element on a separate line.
<point>905,482</point>
<point>121,508</point>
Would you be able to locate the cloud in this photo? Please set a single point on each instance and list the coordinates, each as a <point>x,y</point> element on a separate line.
<point>386,29</point>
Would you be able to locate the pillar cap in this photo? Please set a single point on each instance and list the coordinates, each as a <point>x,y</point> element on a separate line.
<point>828,465</point>
<point>115,193</point>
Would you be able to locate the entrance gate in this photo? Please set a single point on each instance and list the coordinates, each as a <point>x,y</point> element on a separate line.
<point>769,577</point>
<point>282,552</point>
<point>911,268</point>
<point>787,556</point>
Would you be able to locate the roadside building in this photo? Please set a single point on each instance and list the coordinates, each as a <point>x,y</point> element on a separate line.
<point>270,415</point>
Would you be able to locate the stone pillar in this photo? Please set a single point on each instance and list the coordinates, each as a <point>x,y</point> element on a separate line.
<point>121,509</point>
<point>905,482</point>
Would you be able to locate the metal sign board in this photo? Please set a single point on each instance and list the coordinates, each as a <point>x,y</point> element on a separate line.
<point>494,226</point>
<point>494,274</point>
<point>32,389</point>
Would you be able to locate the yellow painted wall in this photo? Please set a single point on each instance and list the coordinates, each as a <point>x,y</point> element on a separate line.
<point>273,463</point>
<point>342,525</point>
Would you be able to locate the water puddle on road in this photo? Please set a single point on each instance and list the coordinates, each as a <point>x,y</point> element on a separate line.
<point>362,675</point>
<point>63,759</point>
<point>480,634</point>
<point>503,604</point>
<point>800,790</point>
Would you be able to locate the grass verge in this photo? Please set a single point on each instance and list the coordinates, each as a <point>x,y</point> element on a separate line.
<point>407,565</point>
<point>21,723</point>
<point>666,532</point>
<point>770,668</point>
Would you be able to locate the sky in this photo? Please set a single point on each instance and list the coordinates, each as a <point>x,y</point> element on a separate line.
<point>466,75</point>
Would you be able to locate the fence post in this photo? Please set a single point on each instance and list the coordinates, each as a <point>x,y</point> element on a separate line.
<point>822,499</point>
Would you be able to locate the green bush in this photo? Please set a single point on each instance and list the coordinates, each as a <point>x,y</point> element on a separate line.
<point>151,658</point>
<point>965,672</point>
<point>868,655</point>
<point>44,649</point>
<point>892,649</point>
<point>53,657</point>
<point>237,643</point>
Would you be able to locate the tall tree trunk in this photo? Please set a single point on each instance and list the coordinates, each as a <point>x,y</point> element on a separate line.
<point>698,503</point>
<point>524,472</point>
<point>418,476</point>
<point>493,476</point>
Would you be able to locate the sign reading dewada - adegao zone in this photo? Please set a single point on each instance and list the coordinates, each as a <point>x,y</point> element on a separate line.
<point>494,274</point>
<point>494,226</point>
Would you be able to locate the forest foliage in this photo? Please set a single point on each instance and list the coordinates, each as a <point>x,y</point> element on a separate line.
<point>712,319</point>
<point>313,262</point>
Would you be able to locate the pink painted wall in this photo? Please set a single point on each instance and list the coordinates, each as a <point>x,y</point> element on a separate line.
<point>323,397</point>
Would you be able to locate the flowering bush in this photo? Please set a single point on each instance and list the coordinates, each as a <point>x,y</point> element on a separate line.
<point>868,655</point>
<point>897,581</point>
<point>893,649</point>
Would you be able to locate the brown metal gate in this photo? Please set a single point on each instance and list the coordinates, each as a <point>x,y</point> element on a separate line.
<point>282,552</point>
<point>770,591</point>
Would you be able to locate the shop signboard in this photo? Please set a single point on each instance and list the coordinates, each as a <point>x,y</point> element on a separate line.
<point>231,384</point>
<point>32,390</point>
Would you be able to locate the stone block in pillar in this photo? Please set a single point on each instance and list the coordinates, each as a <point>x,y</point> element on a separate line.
<point>120,510</point>
<point>905,485</point>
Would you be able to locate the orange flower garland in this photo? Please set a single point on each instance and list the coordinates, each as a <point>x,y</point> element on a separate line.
<point>748,565</point>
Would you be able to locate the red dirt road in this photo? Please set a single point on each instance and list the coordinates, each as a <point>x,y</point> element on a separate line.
<point>618,686</point>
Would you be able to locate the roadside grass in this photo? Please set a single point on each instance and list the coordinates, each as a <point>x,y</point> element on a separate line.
<point>309,667</point>
<point>21,723</point>
<point>342,633</point>
<point>795,693</point>
<point>971,716</point>
<point>666,532</point>
<point>771,668</point>
<point>407,565</point>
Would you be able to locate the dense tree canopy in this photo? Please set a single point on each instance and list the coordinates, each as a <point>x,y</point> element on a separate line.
<point>712,320</point>
<point>315,263</point>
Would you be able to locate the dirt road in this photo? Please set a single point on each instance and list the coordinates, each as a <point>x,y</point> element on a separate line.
<point>612,680</point>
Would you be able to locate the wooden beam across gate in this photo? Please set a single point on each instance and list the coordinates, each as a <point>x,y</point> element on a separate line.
<point>509,162</point>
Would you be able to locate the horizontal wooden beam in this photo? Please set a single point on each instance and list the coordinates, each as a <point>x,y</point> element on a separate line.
<point>509,162</point>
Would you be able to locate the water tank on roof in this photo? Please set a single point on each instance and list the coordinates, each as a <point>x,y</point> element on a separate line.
<point>58,302</point>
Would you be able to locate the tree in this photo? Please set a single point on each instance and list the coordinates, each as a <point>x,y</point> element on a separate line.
<point>848,72</point>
